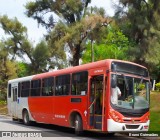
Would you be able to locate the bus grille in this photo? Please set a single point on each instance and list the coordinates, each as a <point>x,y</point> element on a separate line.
<point>132,126</point>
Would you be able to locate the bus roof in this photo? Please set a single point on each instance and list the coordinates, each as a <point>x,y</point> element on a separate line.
<point>27,78</point>
<point>79,68</point>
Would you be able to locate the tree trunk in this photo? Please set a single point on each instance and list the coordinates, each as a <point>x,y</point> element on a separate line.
<point>76,56</point>
<point>92,51</point>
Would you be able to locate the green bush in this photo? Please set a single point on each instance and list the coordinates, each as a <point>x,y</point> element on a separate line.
<point>158,86</point>
<point>3,102</point>
<point>141,86</point>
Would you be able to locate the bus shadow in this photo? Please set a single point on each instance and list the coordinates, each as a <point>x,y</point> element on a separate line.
<point>59,131</point>
<point>49,130</point>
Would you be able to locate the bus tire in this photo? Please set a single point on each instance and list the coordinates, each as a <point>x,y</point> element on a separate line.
<point>110,134</point>
<point>26,120</point>
<point>78,125</point>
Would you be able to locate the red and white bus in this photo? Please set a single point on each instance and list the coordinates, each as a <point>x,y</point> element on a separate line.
<point>81,97</point>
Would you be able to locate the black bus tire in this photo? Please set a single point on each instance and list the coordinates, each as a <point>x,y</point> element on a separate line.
<point>26,120</point>
<point>111,134</point>
<point>78,125</point>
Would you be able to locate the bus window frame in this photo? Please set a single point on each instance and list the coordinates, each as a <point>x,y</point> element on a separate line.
<point>38,89</point>
<point>82,92</point>
<point>22,88</point>
<point>59,83</point>
<point>48,85</point>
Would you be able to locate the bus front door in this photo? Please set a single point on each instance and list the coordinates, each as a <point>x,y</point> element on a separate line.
<point>96,102</point>
<point>14,105</point>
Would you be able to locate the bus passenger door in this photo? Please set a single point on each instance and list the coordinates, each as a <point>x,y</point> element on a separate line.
<point>14,105</point>
<point>96,102</point>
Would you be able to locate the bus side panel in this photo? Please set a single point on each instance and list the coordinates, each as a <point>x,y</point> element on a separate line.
<point>57,109</point>
<point>41,109</point>
<point>9,100</point>
<point>61,105</point>
<point>64,106</point>
<point>23,104</point>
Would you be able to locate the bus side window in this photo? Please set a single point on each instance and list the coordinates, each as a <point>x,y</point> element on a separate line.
<point>62,85</point>
<point>19,89</point>
<point>25,89</point>
<point>79,83</point>
<point>9,91</point>
<point>35,87</point>
<point>48,86</point>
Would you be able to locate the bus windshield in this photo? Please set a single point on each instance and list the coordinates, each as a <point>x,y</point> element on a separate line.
<point>130,92</point>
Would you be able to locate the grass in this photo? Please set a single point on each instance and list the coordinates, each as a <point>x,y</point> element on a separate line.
<point>3,108</point>
<point>154,111</point>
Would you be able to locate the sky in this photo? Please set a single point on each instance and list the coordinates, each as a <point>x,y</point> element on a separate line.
<point>15,8</point>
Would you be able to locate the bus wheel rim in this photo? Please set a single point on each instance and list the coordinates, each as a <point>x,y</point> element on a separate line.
<point>25,118</point>
<point>76,124</point>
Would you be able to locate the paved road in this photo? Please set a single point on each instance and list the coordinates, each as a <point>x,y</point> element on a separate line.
<point>19,131</point>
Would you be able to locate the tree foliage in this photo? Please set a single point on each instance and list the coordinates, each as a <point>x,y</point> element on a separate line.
<point>16,32</point>
<point>114,46</point>
<point>73,28</point>
<point>22,69</point>
<point>68,10</point>
<point>7,70</point>
<point>18,45</point>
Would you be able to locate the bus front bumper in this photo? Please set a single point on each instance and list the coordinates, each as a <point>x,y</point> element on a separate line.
<point>127,127</point>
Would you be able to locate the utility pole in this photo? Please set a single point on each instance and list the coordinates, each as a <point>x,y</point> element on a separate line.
<point>92,51</point>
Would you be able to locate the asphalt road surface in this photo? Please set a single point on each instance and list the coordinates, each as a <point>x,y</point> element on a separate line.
<point>17,130</point>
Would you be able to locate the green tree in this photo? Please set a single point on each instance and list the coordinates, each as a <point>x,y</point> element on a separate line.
<point>17,44</point>
<point>74,37</point>
<point>41,56</point>
<point>17,35</point>
<point>8,70</point>
<point>68,10</point>
<point>73,28</point>
<point>114,46</point>
<point>23,69</point>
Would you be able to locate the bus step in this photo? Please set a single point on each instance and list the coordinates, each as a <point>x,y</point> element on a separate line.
<point>98,125</point>
<point>96,130</point>
<point>98,118</point>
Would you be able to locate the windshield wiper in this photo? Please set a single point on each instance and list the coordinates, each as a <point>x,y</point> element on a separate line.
<point>126,83</point>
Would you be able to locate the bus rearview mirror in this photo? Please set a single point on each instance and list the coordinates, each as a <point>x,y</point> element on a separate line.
<point>114,81</point>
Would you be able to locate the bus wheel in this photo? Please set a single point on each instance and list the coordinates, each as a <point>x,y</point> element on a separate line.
<point>78,125</point>
<point>26,120</point>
